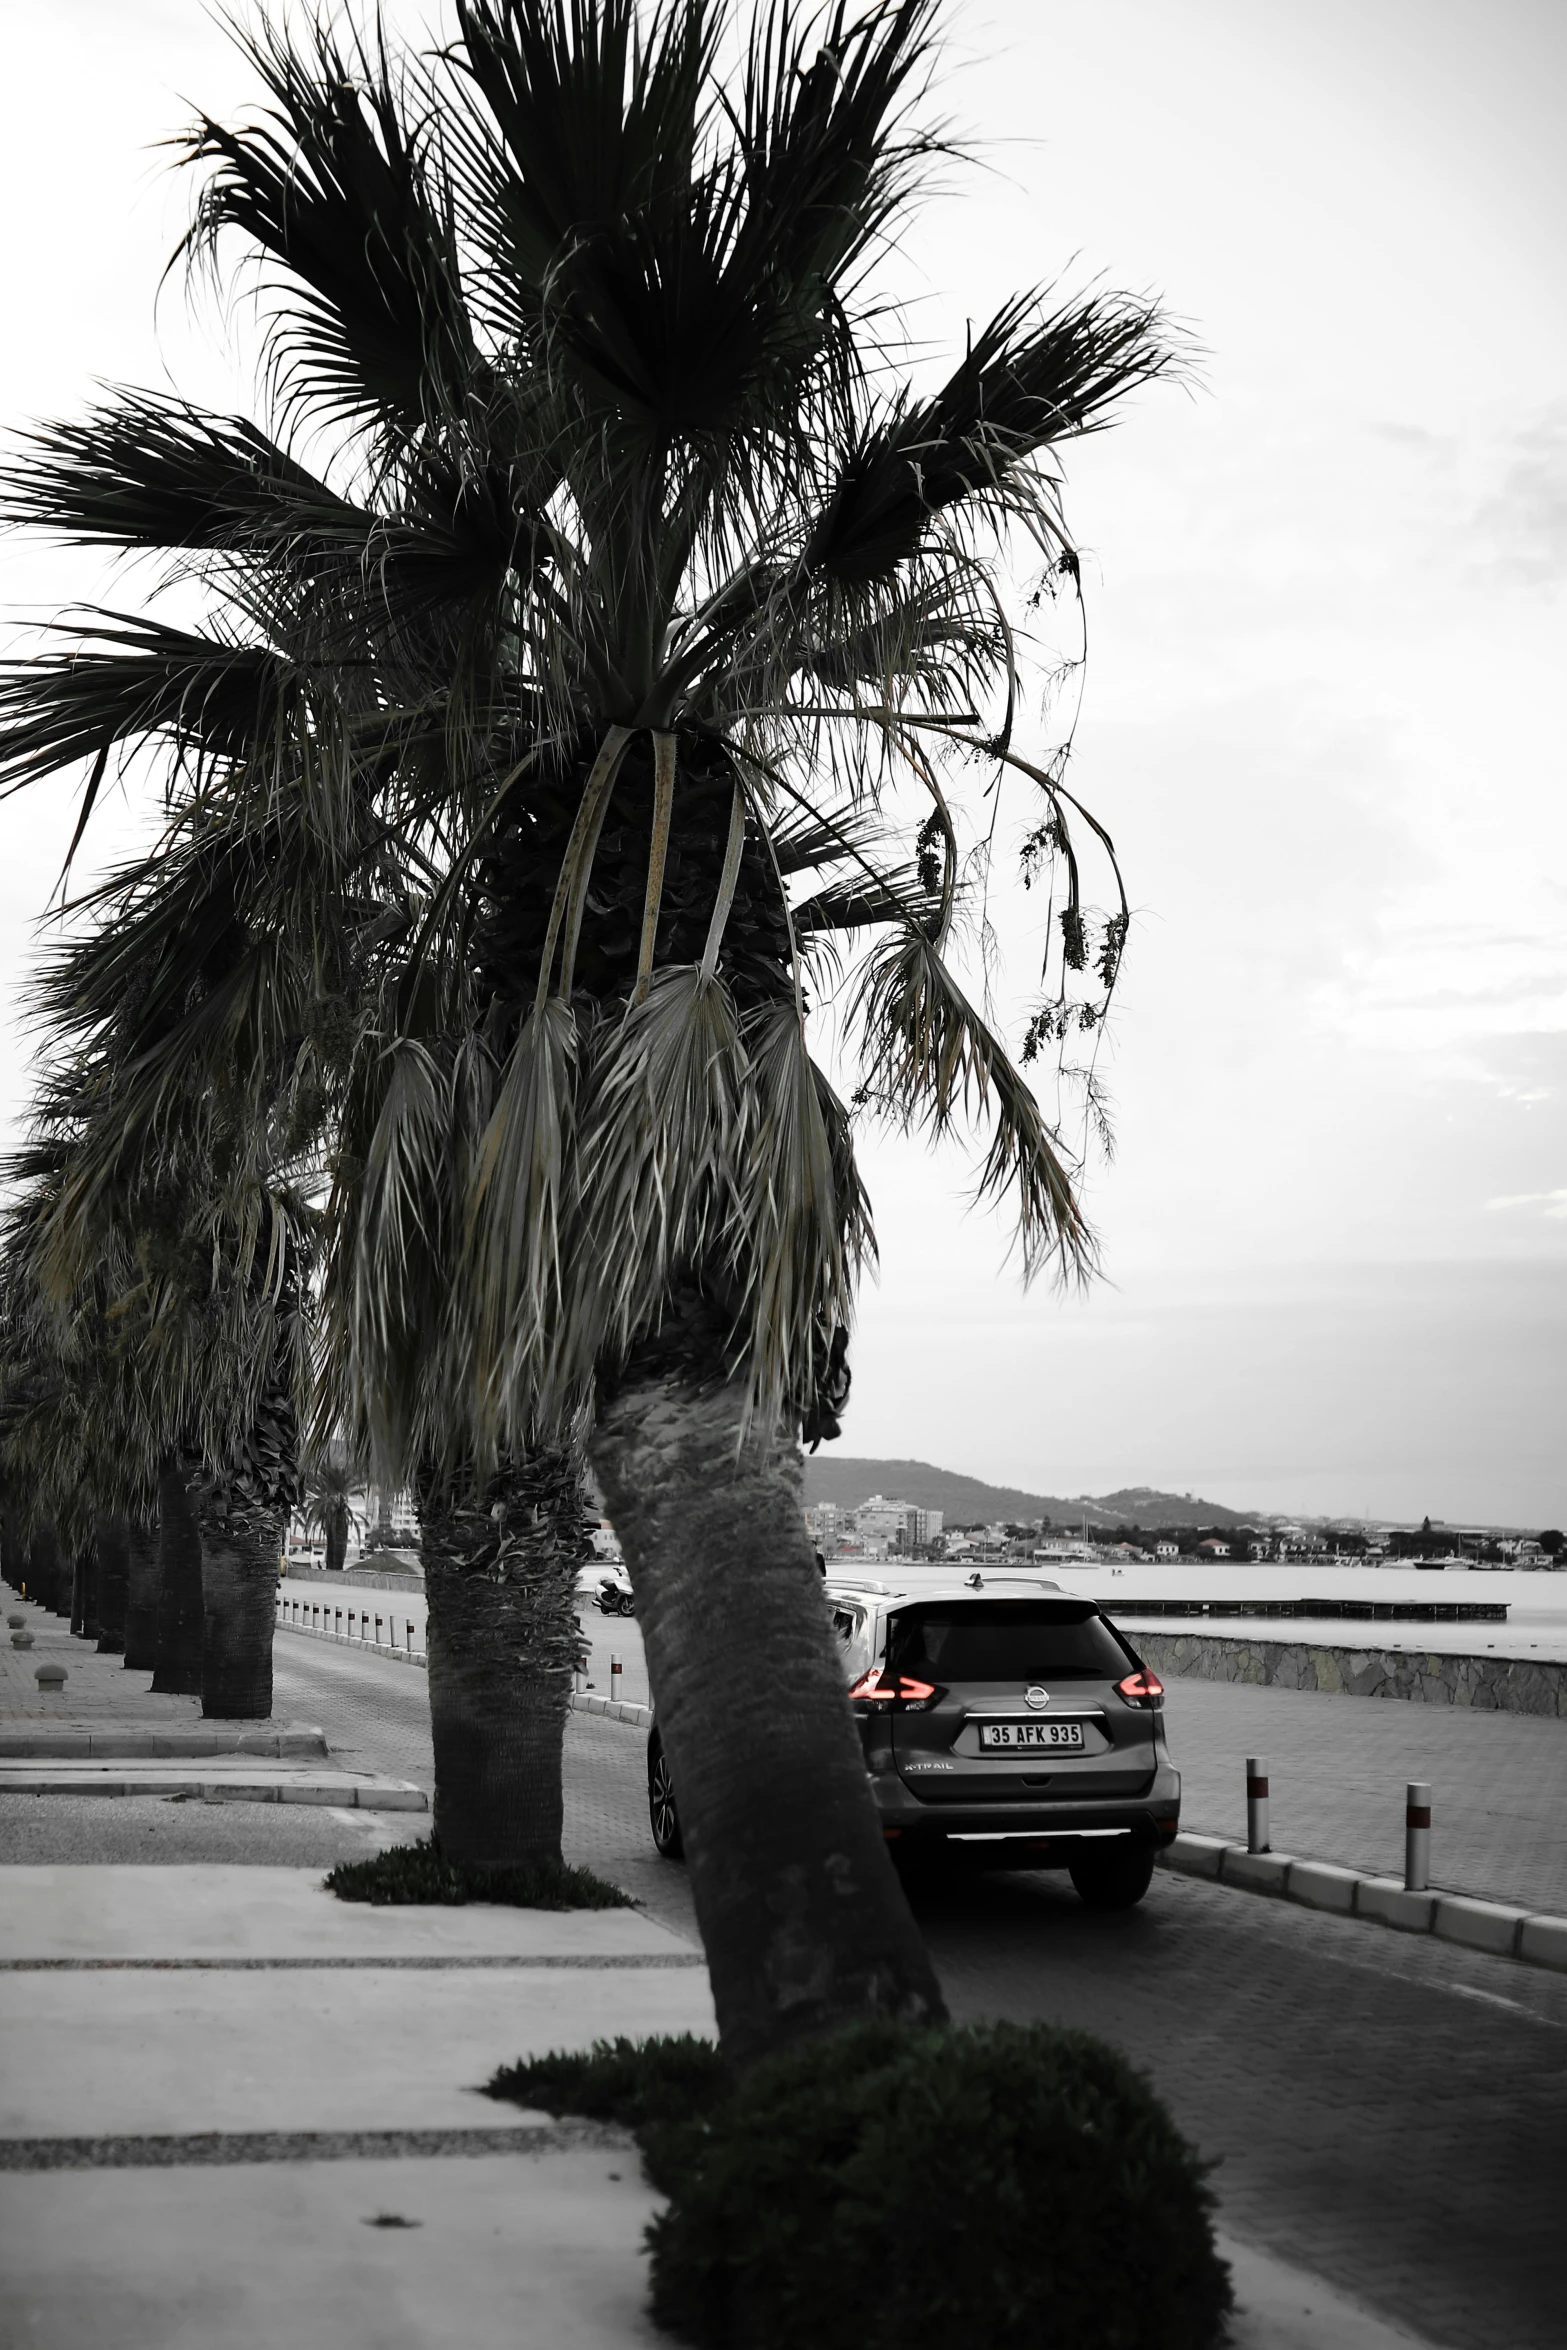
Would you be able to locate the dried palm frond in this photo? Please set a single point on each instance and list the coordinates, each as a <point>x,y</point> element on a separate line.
<point>932,1060</point>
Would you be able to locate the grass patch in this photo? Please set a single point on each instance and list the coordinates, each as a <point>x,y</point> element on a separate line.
<point>899,2189</point>
<point>635,2082</point>
<point>420,1873</point>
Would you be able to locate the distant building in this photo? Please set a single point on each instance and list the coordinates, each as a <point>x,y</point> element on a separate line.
<point>1213,1549</point>
<point>1167,1550</point>
<point>900,1525</point>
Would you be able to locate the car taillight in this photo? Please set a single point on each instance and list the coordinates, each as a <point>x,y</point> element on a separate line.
<point>898,1688</point>
<point>1141,1689</point>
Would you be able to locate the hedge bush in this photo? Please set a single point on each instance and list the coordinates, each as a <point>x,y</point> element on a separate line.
<point>421,1873</point>
<point>1005,2185</point>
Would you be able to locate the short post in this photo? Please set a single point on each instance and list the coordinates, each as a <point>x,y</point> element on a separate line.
<point>1417,1836</point>
<point>1257,1803</point>
<point>614,1677</point>
<point>409,1632</point>
<point>377,1631</point>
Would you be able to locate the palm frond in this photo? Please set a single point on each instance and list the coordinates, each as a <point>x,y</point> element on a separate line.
<point>933,1061</point>
<point>127,681</point>
<point>519,1213</point>
<point>338,188</point>
<point>807,1219</point>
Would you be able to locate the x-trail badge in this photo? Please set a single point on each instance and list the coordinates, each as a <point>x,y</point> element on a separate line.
<point>1035,1696</point>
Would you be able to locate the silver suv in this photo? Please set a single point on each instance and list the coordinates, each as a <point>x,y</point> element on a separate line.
<point>1002,1721</point>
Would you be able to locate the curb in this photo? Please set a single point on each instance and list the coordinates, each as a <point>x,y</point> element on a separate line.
<point>613,1709</point>
<point>344,1793</point>
<point>119,1744</point>
<point>1494,1926</point>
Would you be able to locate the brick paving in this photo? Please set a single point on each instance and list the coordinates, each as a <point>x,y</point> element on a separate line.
<point>1338,1767</point>
<point>98,1689</point>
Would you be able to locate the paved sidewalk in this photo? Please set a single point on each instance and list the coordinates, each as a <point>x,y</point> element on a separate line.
<point>97,1688</point>
<point>236,2111</point>
<point>106,1736</point>
<point>180,2047</point>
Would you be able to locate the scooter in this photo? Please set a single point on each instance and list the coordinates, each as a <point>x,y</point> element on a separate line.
<point>614,1600</point>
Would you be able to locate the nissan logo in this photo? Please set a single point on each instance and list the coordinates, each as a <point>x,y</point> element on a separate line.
<point>1035,1696</point>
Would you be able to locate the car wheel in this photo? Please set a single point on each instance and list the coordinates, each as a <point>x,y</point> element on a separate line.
<point>1113,1879</point>
<point>661,1812</point>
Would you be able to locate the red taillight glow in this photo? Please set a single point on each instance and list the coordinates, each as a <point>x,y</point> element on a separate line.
<point>871,1684</point>
<point>1141,1688</point>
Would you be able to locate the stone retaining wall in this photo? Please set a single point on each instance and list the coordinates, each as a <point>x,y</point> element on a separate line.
<point>370,1578</point>
<point>1498,1684</point>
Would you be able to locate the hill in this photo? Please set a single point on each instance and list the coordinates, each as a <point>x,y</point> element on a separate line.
<point>970,1501</point>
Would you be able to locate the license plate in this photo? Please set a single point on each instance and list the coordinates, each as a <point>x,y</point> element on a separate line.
<point>1012,1735</point>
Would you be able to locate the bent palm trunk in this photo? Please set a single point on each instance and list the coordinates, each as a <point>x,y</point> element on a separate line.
<point>240,1546</point>
<point>113,1545</point>
<point>500,1571</point>
<point>177,1664</point>
<point>802,1917</point>
<point>141,1598</point>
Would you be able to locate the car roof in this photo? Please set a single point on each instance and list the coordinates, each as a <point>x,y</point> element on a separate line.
<point>946,1587</point>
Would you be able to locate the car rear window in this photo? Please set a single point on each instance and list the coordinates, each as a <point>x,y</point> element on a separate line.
<point>1007,1640</point>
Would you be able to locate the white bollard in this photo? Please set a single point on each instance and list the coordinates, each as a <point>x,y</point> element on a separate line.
<point>1257,1803</point>
<point>1417,1836</point>
<point>614,1677</point>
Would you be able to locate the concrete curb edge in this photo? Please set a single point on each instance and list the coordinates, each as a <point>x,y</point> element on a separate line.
<point>613,1709</point>
<point>1498,1927</point>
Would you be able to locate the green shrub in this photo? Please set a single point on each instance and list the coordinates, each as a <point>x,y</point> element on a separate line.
<point>1006,2185</point>
<point>634,2082</point>
<point>421,1873</point>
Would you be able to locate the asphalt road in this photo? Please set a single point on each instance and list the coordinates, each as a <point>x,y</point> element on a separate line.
<point>1388,2113</point>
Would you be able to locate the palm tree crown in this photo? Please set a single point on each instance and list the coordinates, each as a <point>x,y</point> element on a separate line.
<point>591,679</point>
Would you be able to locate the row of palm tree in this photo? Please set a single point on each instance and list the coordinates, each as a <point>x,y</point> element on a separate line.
<point>597,657</point>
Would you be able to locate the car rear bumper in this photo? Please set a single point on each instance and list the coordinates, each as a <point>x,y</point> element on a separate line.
<point>989,1830</point>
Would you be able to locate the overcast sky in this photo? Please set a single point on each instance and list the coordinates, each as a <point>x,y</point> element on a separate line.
<point>1323,718</point>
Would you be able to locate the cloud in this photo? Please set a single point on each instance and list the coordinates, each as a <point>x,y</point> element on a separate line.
<point>1521,526</point>
<point>1550,1203</point>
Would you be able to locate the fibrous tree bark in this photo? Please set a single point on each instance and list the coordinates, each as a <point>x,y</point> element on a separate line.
<point>141,1602</point>
<point>177,1666</point>
<point>13,1550</point>
<point>48,1575</point>
<point>112,1543</point>
<point>337,1540</point>
<point>241,1543</point>
<point>802,1916</point>
<point>84,1606</point>
<point>501,1557</point>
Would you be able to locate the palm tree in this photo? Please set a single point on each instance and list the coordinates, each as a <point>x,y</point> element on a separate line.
<point>330,1481</point>
<point>169,1256</point>
<point>643,593</point>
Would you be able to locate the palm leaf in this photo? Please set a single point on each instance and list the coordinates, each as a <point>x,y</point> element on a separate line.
<point>932,1060</point>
